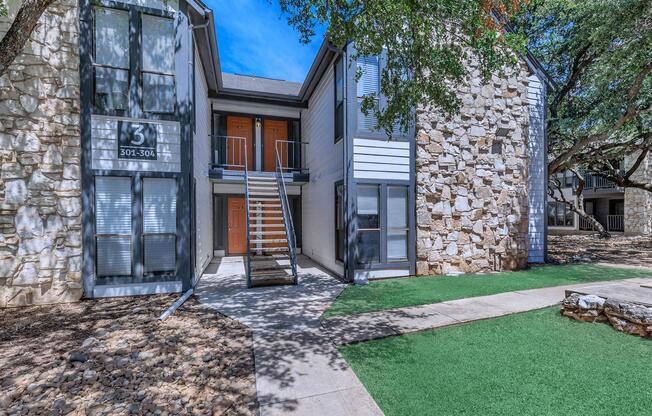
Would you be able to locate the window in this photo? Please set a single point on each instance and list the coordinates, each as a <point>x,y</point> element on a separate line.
<point>566,179</point>
<point>368,238</point>
<point>113,226</point>
<point>368,85</point>
<point>397,223</point>
<point>158,64</point>
<point>339,222</point>
<point>113,69</point>
<point>339,99</point>
<point>111,59</point>
<point>159,225</point>
<point>559,215</point>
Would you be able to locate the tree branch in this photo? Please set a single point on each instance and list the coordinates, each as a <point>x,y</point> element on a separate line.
<point>20,31</point>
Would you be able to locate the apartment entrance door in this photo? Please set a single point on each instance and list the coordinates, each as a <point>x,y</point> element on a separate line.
<point>237,226</point>
<point>237,126</point>
<point>273,131</point>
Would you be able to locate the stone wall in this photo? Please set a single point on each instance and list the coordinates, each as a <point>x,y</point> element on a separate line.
<point>472,181</point>
<point>638,203</point>
<point>40,207</point>
<point>626,317</point>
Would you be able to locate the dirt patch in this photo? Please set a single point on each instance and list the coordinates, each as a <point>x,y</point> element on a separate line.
<point>634,251</point>
<point>112,356</point>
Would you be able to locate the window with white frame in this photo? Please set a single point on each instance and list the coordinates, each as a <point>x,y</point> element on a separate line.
<point>111,65</point>
<point>368,220</point>
<point>397,223</point>
<point>560,215</point>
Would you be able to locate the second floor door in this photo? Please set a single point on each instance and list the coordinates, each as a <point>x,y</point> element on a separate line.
<point>273,132</point>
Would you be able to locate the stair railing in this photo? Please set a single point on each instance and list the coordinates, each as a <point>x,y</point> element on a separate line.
<point>246,181</point>
<point>287,216</point>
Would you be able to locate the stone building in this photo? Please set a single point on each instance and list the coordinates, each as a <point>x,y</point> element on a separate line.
<point>40,188</point>
<point>130,161</point>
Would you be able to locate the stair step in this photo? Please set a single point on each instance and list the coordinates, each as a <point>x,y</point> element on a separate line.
<point>259,217</point>
<point>269,241</point>
<point>262,199</point>
<point>272,280</point>
<point>261,178</point>
<point>253,188</point>
<point>267,232</point>
<point>265,193</point>
<point>265,212</point>
<point>270,249</point>
<point>268,205</point>
<point>281,225</point>
<point>272,270</point>
<point>269,258</point>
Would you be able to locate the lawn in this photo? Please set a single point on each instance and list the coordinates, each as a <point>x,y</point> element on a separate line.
<point>396,293</point>
<point>534,363</point>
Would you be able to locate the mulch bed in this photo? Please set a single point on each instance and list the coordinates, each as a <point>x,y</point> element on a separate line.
<point>112,357</point>
<point>634,251</point>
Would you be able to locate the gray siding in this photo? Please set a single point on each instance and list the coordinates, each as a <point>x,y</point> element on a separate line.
<point>104,141</point>
<point>381,159</point>
<point>537,171</point>
<point>201,159</point>
<point>325,161</point>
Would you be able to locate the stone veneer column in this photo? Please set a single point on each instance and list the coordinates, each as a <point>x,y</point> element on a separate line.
<point>471,199</point>
<point>40,209</point>
<point>638,203</point>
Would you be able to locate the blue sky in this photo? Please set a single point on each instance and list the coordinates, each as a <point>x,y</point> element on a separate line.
<point>254,38</point>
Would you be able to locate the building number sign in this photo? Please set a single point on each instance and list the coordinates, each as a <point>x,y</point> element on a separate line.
<point>137,141</point>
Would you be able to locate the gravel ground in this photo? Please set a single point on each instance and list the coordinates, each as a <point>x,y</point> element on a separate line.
<point>113,357</point>
<point>634,251</point>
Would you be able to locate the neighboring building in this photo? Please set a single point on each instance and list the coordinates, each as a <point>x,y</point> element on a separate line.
<point>618,210</point>
<point>130,162</point>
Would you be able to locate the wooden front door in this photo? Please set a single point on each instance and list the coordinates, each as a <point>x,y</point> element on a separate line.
<point>273,131</point>
<point>237,226</point>
<point>237,126</point>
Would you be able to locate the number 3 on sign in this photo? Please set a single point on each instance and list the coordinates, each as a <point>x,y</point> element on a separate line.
<point>138,138</point>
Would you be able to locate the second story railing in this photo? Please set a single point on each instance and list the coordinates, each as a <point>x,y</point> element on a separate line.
<point>232,153</point>
<point>597,182</point>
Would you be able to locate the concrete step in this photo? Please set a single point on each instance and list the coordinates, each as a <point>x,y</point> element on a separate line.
<point>272,280</point>
<point>262,199</point>
<point>270,193</point>
<point>258,226</point>
<point>268,258</point>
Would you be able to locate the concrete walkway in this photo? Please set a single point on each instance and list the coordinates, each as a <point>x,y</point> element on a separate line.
<point>367,326</point>
<point>298,368</point>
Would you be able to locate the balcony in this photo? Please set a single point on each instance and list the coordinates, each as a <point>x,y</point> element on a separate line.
<point>614,223</point>
<point>232,155</point>
<point>598,184</point>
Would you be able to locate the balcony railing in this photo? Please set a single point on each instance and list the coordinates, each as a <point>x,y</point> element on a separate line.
<point>586,225</point>
<point>597,182</point>
<point>615,223</point>
<point>231,153</point>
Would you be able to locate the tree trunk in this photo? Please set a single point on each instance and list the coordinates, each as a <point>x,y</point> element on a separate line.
<point>21,29</point>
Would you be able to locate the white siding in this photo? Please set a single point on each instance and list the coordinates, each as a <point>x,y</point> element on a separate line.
<point>104,140</point>
<point>537,171</point>
<point>326,164</point>
<point>201,159</point>
<point>381,159</point>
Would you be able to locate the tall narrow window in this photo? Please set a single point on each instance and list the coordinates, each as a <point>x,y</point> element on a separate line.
<point>111,59</point>
<point>368,217</point>
<point>339,99</point>
<point>158,64</point>
<point>339,222</point>
<point>113,226</point>
<point>397,223</point>
<point>159,225</point>
<point>368,85</point>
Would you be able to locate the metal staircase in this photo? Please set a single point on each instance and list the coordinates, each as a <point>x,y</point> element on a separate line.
<point>271,254</point>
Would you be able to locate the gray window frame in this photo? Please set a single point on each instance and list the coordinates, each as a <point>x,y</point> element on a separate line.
<point>135,104</point>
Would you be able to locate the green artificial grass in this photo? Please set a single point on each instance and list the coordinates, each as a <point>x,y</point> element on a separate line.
<point>534,363</point>
<point>400,292</point>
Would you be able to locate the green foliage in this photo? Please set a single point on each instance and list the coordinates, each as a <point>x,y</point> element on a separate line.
<point>429,45</point>
<point>3,9</point>
<point>600,54</point>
